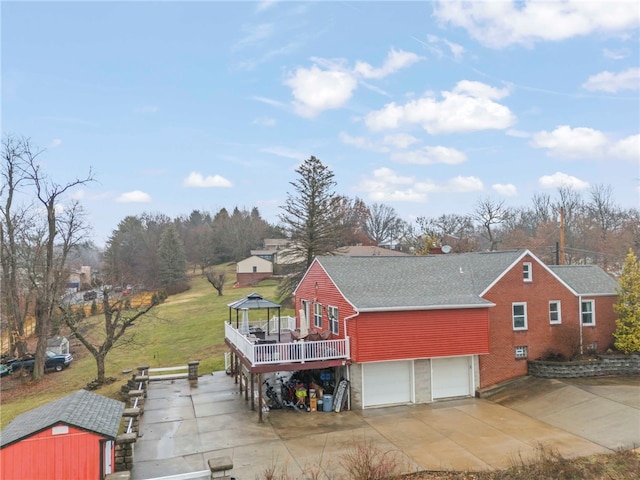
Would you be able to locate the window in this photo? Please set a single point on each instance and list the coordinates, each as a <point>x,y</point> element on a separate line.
<point>527,274</point>
<point>317,315</point>
<point>255,269</point>
<point>519,311</point>
<point>587,312</point>
<point>555,314</point>
<point>333,320</point>
<point>521,352</point>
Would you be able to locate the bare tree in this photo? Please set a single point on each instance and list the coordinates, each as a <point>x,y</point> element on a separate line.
<point>382,224</point>
<point>216,279</point>
<point>46,245</point>
<point>13,224</point>
<point>491,213</point>
<point>117,320</point>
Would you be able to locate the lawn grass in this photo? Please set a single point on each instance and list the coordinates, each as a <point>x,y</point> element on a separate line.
<point>186,327</point>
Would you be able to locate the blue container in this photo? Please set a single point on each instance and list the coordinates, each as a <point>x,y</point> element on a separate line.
<point>327,402</point>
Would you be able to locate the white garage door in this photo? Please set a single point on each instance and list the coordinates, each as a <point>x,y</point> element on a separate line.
<point>386,383</point>
<point>451,377</point>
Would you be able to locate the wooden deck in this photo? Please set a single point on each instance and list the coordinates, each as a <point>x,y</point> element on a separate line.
<point>278,349</point>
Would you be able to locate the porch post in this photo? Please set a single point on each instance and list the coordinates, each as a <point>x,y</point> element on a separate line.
<point>260,398</point>
<point>253,397</point>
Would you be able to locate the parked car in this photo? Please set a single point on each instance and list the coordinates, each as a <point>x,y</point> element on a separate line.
<point>4,370</point>
<point>53,361</point>
<point>90,295</point>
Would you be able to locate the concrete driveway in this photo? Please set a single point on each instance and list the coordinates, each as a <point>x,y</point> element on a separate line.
<point>182,427</point>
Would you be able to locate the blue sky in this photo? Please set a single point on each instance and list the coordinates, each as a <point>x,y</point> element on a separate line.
<point>424,106</point>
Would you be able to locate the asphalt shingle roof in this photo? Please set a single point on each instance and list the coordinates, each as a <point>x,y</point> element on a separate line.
<point>81,409</point>
<point>586,279</point>
<point>377,282</point>
<point>452,280</point>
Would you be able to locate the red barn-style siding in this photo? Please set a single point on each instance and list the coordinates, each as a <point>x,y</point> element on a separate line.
<point>327,295</point>
<point>42,455</point>
<point>420,334</point>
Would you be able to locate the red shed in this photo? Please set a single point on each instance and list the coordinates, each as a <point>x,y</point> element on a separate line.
<point>69,438</point>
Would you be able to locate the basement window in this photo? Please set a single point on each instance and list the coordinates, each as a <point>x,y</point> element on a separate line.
<point>521,351</point>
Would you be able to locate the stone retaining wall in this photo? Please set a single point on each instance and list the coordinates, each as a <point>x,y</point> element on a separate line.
<point>605,365</point>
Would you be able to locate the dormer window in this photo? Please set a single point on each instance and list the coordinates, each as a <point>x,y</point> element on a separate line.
<point>527,273</point>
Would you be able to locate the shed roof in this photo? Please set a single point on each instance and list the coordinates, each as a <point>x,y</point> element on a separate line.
<point>81,409</point>
<point>586,279</point>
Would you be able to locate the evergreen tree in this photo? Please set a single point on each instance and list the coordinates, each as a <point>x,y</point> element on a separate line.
<point>312,220</point>
<point>173,261</point>
<point>627,332</point>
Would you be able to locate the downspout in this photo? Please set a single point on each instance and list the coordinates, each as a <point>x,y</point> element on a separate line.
<point>348,352</point>
<point>580,320</point>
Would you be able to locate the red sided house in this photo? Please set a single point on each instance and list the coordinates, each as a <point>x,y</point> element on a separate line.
<point>69,438</point>
<point>416,329</point>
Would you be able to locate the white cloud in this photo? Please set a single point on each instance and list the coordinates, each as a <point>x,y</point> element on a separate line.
<point>136,196</point>
<point>266,4</point>
<point>400,140</point>
<point>385,185</point>
<point>56,142</point>
<point>613,82</point>
<point>284,152</point>
<point>468,107</point>
<point>329,83</point>
<point>147,109</point>
<point>498,24</point>
<point>269,101</point>
<point>616,54</point>
<point>512,132</point>
<point>195,179</point>
<point>560,179</point>
<point>506,189</point>
<point>627,149</point>
<point>396,59</point>
<point>430,155</point>
<point>315,90</point>
<point>254,34</point>
<point>363,143</point>
<point>264,121</point>
<point>582,142</point>
<point>461,184</point>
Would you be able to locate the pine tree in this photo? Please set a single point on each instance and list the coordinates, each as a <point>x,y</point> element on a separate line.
<point>172,259</point>
<point>627,332</point>
<point>312,219</point>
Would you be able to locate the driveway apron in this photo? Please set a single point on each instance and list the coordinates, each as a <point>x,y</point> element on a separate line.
<point>183,426</point>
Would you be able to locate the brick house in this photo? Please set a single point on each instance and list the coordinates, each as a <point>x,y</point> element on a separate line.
<point>423,328</point>
<point>69,438</point>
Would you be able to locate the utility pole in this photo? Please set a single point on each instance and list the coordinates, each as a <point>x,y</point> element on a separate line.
<point>561,235</point>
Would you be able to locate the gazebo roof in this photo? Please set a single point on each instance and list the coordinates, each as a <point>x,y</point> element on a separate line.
<point>252,301</point>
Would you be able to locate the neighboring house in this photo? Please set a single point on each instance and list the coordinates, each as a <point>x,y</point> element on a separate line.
<point>69,438</point>
<point>58,345</point>
<point>423,328</point>
<point>253,270</point>
<point>79,278</point>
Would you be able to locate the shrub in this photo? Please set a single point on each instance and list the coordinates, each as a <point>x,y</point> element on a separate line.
<point>366,462</point>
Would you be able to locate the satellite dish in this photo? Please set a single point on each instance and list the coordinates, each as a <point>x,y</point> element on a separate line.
<point>446,248</point>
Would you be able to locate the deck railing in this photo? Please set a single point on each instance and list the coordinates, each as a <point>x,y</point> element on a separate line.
<point>290,352</point>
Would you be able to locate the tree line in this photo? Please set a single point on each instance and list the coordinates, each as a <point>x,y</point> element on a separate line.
<point>41,242</point>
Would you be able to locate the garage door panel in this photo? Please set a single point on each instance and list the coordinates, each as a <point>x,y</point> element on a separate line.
<point>450,377</point>
<point>387,383</point>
